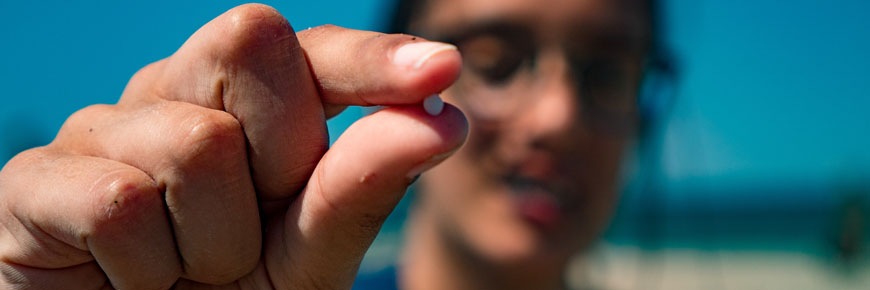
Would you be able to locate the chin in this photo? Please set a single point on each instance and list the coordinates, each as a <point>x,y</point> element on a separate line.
<point>529,256</point>
<point>515,242</point>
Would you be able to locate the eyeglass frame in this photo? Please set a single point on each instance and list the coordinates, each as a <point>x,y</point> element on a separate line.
<point>653,96</point>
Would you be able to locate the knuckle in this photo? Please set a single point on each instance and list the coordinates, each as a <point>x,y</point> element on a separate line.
<point>256,24</point>
<point>212,135</point>
<point>72,136</point>
<point>89,112</point>
<point>125,196</point>
<point>254,10</point>
<point>142,83</point>
<point>12,180</point>
<point>145,73</point>
<point>80,121</point>
<point>19,161</point>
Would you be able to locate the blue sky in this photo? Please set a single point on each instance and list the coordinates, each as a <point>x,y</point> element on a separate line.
<point>771,91</point>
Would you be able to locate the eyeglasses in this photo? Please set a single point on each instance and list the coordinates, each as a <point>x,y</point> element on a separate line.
<point>501,72</point>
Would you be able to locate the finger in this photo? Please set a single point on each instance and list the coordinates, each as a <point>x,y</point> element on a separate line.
<point>363,68</point>
<point>195,154</point>
<point>84,276</point>
<point>66,211</point>
<point>354,188</point>
<point>247,62</point>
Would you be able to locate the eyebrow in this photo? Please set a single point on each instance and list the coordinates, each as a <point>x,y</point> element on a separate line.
<point>502,26</point>
<point>596,38</point>
<point>619,36</point>
<point>609,43</point>
<point>600,35</point>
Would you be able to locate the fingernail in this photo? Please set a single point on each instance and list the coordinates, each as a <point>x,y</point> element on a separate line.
<point>428,164</point>
<point>433,105</point>
<point>415,54</point>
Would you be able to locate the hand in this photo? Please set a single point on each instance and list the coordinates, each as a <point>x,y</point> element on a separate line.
<point>213,167</point>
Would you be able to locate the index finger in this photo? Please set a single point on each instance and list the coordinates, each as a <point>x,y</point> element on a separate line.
<point>362,68</point>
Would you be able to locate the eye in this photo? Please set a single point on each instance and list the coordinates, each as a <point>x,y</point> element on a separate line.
<point>495,58</point>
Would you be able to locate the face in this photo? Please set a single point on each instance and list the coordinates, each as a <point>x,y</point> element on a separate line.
<point>550,91</point>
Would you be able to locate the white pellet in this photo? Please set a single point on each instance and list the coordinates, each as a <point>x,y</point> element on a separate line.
<point>433,105</point>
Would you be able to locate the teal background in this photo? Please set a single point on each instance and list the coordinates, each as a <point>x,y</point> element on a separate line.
<point>59,56</point>
<point>766,146</point>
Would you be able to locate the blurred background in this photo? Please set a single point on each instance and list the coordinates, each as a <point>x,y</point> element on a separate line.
<point>757,178</point>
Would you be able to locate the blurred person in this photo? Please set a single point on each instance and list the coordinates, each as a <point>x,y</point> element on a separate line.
<point>551,92</point>
<point>213,167</point>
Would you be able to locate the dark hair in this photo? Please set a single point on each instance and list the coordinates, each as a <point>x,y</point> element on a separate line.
<point>404,10</point>
<point>402,13</point>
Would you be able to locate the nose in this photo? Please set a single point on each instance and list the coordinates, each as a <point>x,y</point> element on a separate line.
<point>554,118</point>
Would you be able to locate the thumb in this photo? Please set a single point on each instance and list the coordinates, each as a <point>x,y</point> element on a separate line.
<point>355,187</point>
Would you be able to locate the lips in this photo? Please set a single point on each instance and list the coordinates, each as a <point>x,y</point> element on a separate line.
<point>543,189</point>
<point>537,202</point>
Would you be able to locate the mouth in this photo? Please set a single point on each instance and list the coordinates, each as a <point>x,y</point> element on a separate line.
<point>538,202</point>
<point>543,190</point>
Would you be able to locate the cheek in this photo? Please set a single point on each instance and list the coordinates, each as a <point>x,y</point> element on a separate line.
<point>450,185</point>
<point>461,186</point>
<point>607,156</point>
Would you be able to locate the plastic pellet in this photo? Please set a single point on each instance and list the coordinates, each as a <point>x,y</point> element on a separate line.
<point>433,105</point>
